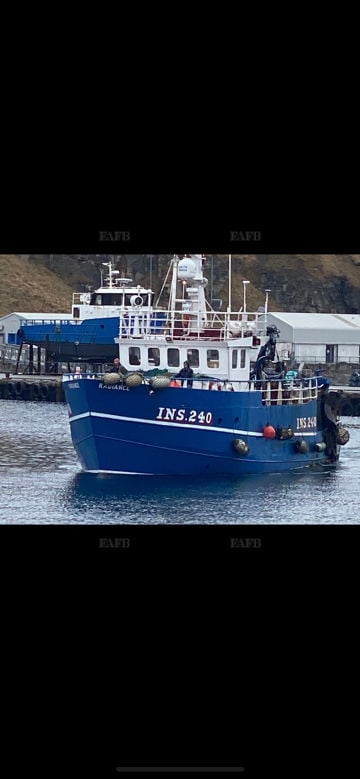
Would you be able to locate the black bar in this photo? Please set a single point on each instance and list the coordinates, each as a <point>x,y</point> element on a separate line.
<point>180,769</point>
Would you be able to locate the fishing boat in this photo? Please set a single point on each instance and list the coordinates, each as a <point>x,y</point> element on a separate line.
<point>91,332</point>
<point>241,412</point>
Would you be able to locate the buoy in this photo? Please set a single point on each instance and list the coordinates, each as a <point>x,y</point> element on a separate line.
<point>269,431</point>
<point>159,382</point>
<point>284,433</point>
<point>133,379</point>
<point>301,447</point>
<point>320,446</point>
<point>240,446</point>
<point>174,383</point>
<point>111,378</point>
<point>342,435</point>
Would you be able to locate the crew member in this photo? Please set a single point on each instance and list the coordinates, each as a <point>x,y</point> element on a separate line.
<point>118,367</point>
<point>186,373</point>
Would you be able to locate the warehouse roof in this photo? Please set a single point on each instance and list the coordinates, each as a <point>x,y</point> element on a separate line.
<point>316,321</point>
<point>37,315</point>
<point>317,328</point>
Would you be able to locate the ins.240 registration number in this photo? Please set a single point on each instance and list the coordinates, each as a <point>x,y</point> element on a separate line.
<point>183,415</point>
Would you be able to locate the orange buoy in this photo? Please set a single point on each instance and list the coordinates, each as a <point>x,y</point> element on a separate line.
<point>269,431</point>
<point>174,383</point>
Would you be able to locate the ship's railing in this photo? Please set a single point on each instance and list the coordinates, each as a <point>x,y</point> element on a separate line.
<point>276,392</point>
<point>174,325</point>
<point>273,392</point>
<point>52,322</point>
<point>282,392</point>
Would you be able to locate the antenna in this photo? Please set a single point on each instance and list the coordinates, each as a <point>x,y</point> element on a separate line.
<point>245,283</point>
<point>266,305</point>
<point>229,306</point>
<point>267,299</point>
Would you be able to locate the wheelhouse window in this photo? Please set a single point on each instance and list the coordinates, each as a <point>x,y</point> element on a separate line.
<point>242,358</point>
<point>193,358</point>
<point>134,355</point>
<point>154,357</point>
<point>234,358</point>
<point>111,300</point>
<point>173,358</point>
<point>212,358</point>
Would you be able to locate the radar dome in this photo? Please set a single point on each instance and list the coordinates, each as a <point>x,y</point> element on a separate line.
<point>186,269</point>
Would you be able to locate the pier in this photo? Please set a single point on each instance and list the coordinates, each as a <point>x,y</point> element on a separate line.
<point>346,399</point>
<point>22,387</point>
<point>26,374</point>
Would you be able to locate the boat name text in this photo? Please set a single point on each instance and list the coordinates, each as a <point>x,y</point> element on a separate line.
<point>113,387</point>
<point>182,415</point>
<point>305,422</point>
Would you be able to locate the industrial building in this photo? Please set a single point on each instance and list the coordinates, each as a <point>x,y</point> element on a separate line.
<point>317,338</point>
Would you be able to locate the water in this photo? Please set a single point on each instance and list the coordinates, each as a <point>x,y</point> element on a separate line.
<point>41,482</point>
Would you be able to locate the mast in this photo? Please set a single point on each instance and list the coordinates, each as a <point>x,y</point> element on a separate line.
<point>229,306</point>
<point>245,283</point>
<point>266,305</point>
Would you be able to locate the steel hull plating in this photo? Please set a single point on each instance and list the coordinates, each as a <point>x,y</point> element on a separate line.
<point>91,340</point>
<point>178,431</point>
<point>68,351</point>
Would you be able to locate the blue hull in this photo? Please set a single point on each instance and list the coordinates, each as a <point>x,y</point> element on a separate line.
<point>92,339</point>
<point>183,431</point>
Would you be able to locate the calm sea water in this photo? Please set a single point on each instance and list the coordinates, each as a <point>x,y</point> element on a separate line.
<point>41,482</point>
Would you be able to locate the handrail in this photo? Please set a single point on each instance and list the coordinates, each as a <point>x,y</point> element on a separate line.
<point>292,393</point>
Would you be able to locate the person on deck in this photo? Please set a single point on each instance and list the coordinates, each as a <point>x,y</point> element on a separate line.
<point>186,373</point>
<point>118,367</point>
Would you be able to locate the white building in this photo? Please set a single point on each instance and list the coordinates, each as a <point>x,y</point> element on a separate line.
<point>318,338</point>
<point>10,324</point>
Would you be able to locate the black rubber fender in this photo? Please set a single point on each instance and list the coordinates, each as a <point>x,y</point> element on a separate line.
<point>44,392</point>
<point>347,409</point>
<point>20,388</point>
<point>356,408</point>
<point>34,391</point>
<point>11,390</point>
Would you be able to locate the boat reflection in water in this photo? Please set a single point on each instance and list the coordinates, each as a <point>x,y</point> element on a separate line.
<point>229,500</point>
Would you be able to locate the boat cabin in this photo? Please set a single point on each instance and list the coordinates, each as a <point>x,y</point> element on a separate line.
<point>112,298</point>
<point>222,360</point>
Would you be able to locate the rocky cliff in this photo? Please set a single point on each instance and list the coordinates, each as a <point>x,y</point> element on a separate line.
<point>310,283</point>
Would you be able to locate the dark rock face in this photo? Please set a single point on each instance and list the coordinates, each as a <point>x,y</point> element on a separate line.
<point>309,283</point>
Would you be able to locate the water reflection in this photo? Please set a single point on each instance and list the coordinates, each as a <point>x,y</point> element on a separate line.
<point>41,482</point>
<point>228,499</point>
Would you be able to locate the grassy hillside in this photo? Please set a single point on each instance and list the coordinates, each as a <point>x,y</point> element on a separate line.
<point>28,286</point>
